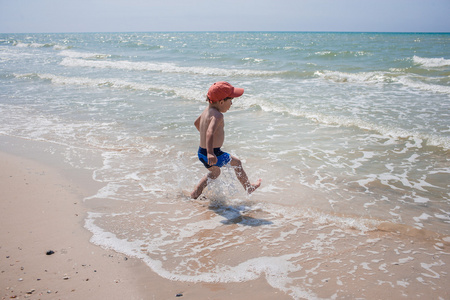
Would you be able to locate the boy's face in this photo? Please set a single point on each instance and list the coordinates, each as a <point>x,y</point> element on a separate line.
<point>225,104</point>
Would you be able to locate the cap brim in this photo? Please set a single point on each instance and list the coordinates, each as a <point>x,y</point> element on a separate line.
<point>237,92</point>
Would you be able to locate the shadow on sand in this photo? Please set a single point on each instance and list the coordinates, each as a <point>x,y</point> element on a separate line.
<point>236,215</point>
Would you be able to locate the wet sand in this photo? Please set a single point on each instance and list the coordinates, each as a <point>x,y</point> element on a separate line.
<point>42,210</point>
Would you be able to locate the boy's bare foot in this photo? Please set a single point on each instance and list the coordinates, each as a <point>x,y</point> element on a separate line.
<point>254,186</point>
<point>195,194</point>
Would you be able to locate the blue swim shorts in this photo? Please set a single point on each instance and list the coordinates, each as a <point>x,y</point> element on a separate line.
<point>222,157</point>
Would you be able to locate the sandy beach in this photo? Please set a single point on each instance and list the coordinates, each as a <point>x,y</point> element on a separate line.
<point>41,210</point>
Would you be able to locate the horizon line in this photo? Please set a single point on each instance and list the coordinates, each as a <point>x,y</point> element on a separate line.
<point>237,31</point>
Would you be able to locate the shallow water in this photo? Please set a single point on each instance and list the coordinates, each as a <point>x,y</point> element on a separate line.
<point>349,132</point>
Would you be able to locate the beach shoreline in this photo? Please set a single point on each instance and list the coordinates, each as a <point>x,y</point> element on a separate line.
<point>42,210</point>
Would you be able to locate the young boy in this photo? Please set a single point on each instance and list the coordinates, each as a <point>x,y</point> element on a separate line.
<point>210,124</point>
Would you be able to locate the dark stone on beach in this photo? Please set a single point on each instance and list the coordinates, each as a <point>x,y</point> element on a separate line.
<point>50,252</point>
<point>179,295</point>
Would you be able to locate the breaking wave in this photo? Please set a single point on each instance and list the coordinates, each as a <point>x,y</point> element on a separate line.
<point>162,67</point>
<point>408,80</point>
<point>431,62</point>
<point>392,132</point>
<point>181,92</point>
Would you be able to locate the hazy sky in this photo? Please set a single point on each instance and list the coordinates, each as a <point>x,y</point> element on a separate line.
<point>229,15</point>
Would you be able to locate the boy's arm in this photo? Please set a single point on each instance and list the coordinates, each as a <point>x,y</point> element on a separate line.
<point>213,125</point>
<point>197,123</point>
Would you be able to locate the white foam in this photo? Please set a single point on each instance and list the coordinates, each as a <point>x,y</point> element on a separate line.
<point>382,267</point>
<point>60,47</point>
<point>193,228</point>
<point>403,283</point>
<point>133,176</point>
<point>341,53</point>
<point>107,192</point>
<point>75,54</point>
<point>419,199</point>
<point>276,269</point>
<point>428,267</point>
<point>423,216</point>
<point>323,53</point>
<point>396,133</point>
<point>118,83</point>
<point>162,67</point>
<point>318,217</point>
<point>406,81</point>
<point>30,45</point>
<point>366,77</point>
<point>403,260</point>
<point>431,62</point>
<point>367,155</point>
<point>396,76</point>
<point>40,45</point>
<point>443,217</point>
<point>255,60</point>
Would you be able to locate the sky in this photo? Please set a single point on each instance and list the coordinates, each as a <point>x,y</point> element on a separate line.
<point>35,16</point>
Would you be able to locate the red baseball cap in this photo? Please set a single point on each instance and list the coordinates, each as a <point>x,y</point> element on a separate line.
<point>221,90</point>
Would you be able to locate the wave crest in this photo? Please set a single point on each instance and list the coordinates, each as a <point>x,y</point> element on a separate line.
<point>162,67</point>
<point>396,76</point>
<point>391,132</point>
<point>431,62</point>
<point>180,92</point>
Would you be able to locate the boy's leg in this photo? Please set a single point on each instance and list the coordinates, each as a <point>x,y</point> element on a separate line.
<point>213,173</point>
<point>242,176</point>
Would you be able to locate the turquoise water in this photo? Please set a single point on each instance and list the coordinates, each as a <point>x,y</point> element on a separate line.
<point>350,130</point>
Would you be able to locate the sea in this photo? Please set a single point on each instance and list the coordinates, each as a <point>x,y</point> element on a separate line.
<point>349,132</point>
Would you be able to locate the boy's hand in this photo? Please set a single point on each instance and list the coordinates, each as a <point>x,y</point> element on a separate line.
<point>212,159</point>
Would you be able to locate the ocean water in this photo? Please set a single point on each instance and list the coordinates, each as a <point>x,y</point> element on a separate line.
<point>350,133</point>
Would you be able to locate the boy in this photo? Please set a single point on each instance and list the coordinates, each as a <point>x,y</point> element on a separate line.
<point>210,124</point>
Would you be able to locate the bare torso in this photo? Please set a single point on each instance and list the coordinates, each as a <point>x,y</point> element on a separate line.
<point>204,121</point>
